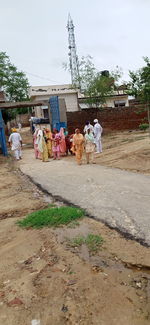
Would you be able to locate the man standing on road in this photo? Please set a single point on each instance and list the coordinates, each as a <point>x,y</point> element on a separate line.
<point>16,143</point>
<point>97,134</point>
<point>88,126</point>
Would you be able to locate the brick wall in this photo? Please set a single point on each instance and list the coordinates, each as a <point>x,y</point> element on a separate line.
<point>111,119</point>
<point>22,118</point>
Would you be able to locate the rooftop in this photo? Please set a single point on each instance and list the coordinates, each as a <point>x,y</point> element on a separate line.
<point>52,90</point>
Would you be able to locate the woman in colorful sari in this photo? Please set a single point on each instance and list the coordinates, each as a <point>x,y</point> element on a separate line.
<point>56,139</point>
<point>35,143</point>
<point>48,138</point>
<point>89,146</point>
<point>42,147</point>
<point>62,142</point>
<point>77,148</point>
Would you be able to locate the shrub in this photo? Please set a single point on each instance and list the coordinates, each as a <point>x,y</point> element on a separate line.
<point>144,126</point>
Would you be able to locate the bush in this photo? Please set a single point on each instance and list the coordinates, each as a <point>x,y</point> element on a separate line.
<point>144,126</point>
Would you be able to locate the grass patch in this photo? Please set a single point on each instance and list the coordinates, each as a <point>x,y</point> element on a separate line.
<point>51,217</point>
<point>73,224</point>
<point>77,241</point>
<point>92,241</point>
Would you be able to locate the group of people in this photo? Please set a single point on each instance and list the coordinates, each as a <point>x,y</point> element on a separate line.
<point>91,142</point>
<point>49,144</point>
<point>55,144</point>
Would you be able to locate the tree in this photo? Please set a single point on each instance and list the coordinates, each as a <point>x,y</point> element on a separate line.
<point>140,85</point>
<point>14,83</point>
<point>95,85</point>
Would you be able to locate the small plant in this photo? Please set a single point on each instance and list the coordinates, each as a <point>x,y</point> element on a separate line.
<point>92,241</point>
<point>73,224</point>
<point>144,126</point>
<point>51,217</point>
<point>77,241</point>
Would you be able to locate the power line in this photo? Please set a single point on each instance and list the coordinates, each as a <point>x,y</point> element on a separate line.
<point>37,76</point>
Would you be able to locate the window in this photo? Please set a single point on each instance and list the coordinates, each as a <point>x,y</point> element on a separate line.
<point>119,103</point>
<point>45,113</point>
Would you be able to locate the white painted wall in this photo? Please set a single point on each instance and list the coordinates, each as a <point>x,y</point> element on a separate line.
<point>70,99</point>
<point>110,101</point>
<point>38,112</point>
<point>71,102</point>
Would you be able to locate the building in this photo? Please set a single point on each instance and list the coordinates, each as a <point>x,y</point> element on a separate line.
<point>119,98</point>
<point>43,93</point>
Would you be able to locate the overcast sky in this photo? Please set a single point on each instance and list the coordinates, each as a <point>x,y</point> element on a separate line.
<point>114,32</point>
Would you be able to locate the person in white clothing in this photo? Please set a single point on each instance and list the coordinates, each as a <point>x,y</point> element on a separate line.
<point>97,135</point>
<point>87,127</point>
<point>15,142</point>
<point>19,126</point>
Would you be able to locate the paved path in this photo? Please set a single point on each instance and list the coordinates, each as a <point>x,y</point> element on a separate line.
<point>118,198</point>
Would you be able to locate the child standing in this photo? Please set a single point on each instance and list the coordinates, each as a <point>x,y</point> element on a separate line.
<point>56,139</point>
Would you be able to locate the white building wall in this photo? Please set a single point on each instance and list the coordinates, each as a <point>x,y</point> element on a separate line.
<point>110,102</point>
<point>38,112</point>
<point>71,101</point>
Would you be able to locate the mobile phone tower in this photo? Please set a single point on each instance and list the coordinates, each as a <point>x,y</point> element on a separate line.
<point>73,58</point>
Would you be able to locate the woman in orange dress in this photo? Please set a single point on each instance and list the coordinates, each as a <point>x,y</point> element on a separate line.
<point>77,148</point>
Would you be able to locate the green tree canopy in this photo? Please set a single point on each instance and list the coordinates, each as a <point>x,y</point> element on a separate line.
<point>140,85</point>
<point>96,85</point>
<point>140,82</point>
<point>13,82</point>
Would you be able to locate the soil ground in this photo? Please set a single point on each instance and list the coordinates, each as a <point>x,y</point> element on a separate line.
<point>126,150</point>
<point>43,278</point>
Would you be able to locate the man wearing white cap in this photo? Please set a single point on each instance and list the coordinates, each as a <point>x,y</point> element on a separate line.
<point>15,142</point>
<point>97,134</point>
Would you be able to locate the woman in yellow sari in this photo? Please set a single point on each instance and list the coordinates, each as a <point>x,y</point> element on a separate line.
<point>77,148</point>
<point>42,147</point>
<point>48,137</point>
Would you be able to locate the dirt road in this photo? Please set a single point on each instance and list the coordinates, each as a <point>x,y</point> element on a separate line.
<point>116,197</point>
<point>43,278</point>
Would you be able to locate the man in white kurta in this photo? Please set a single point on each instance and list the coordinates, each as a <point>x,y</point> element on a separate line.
<point>88,126</point>
<point>97,134</point>
<point>16,142</point>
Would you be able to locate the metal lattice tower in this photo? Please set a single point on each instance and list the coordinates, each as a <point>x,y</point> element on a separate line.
<point>73,58</point>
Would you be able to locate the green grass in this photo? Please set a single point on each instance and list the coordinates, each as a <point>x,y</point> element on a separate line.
<point>51,217</point>
<point>73,224</point>
<point>92,241</point>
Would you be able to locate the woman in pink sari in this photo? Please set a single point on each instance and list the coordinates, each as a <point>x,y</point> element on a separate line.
<point>62,142</point>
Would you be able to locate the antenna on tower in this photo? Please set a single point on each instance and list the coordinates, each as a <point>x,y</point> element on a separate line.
<point>73,58</point>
